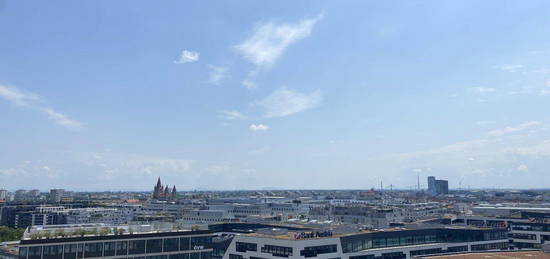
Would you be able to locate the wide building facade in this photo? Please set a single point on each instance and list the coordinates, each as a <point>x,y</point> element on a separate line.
<point>399,244</point>
<point>140,245</point>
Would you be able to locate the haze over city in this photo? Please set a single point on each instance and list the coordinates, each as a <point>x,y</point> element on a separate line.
<point>110,95</point>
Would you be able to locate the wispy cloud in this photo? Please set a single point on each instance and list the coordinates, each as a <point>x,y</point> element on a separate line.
<point>232,115</point>
<point>97,167</point>
<point>62,119</point>
<point>284,102</point>
<point>19,97</point>
<point>218,74</point>
<point>546,91</point>
<point>187,56</point>
<point>510,68</point>
<point>248,83</point>
<point>268,42</point>
<point>514,129</point>
<point>36,102</point>
<point>522,168</point>
<point>483,90</point>
<point>258,127</point>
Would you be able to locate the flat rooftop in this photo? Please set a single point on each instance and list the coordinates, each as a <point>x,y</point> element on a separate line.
<point>281,233</point>
<point>95,229</point>
<point>512,208</point>
<point>495,255</point>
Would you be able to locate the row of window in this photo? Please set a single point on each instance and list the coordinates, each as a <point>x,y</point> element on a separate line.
<point>313,251</point>
<point>115,248</point>
<point>201,255</point>
<point>523,236</point>
<point>234,256</point>
<point>527,227</point>
<point>491,246</point>
<point>243,247</point>
<point>279,251</point>
<point>430,251</point>
<point>351,246</point>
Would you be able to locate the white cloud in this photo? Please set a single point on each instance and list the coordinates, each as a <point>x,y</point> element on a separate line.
<point>268,42</point>
<point>483,90</point>
<point>547,90</point>
<point>232,115</point>
<point>218,74</point>
<point>538,150</point>
<point>248,83</point>
<point>96,168</point>
<point>18,97</point>
<point>187,57</point>
<point>510,68</point>
<point>523,168</point>
<point>510,129</point>
<point>284,102</point>
<point>36,102</point>
<point>259,127</point>
<point>62,119</point>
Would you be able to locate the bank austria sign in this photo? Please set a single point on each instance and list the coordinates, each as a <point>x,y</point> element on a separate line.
<point>307,235</point>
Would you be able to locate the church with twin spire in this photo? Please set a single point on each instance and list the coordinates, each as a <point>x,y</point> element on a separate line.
<point>163,193</point>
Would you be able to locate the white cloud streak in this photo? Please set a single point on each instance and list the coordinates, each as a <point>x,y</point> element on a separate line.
<point>33,101</point>
<point>232,115</point>
<point>284,102</point>
<point>218,74</point>
<point>187,56</point>
<point>259,127</point>
<point>268,42</point>
<point>513,129</point>
<point>62,119</point>
<point>249,84</point>
<point>510,68</point>
<point>483,90</point>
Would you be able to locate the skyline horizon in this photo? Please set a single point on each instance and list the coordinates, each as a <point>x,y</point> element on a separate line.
<point>422,188</point>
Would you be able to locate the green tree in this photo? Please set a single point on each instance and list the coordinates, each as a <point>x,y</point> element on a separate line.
<point>10,234</point>
<point>60,233</point>
<point>104,231</point>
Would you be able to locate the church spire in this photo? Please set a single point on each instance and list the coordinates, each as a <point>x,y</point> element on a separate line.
<point>166,192</point>
<point>174,194</point>
<point>159,184</point>
<point>163,193</point>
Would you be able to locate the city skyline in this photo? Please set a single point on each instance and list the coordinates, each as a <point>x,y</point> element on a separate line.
<point>247,95</point>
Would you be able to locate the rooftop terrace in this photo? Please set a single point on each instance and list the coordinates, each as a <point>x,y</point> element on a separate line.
<point>98,229</point>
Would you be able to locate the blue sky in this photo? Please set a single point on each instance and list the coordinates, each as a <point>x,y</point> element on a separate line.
<point>108,95</point>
